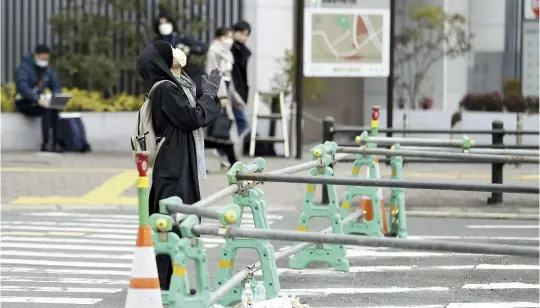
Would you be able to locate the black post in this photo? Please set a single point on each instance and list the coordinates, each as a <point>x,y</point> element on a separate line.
<point>328,125</point>
<point>299,75</point>
<point>497,138</point>
<point>390,78</point>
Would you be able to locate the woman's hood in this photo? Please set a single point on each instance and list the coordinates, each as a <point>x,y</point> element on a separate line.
<point>152,68</point>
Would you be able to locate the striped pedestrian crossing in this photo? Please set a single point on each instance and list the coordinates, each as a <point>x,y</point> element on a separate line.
<point>70,259</point>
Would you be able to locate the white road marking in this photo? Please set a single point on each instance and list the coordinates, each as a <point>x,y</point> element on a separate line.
<point>32,270</point>
<point>494,305</point>
<point>66,247</point>
<point>502,285</point>
<point>502,226</point>
<point>403,268</point>
<point>497,238</point>
<point>465,305</point>
<point>38,254</point>
<point>87,230</point>
<point>63,263</point>
<point>64,280</point>
<point>50,300</point>
<point>328,291</point>
<point>134,225</point>
<point>59,289</point>
<point>360,253</point>
<point>132,217</point>
<point>127,242</point>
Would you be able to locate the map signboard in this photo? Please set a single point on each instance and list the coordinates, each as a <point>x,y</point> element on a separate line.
<point>345,42</point>
<point>529,59</point>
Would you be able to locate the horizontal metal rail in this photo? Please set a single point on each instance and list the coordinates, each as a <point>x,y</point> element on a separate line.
<point>432,154</point>
<point>476,146</point>
<point>358,129</point>
<point>415,141</point>
<point>350,181</point>
<point>345,239</point>
<point>476,151</point>
<point>245,272</point>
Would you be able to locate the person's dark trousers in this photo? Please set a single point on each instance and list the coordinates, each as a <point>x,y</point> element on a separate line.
<point>225,148</point>
<point>49,120</point>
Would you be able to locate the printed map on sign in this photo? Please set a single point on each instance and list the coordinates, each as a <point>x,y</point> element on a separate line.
<point>352,37</point>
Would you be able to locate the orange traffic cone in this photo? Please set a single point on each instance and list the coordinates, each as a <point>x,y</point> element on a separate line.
<point>144,290</point>
<point>367,206</point>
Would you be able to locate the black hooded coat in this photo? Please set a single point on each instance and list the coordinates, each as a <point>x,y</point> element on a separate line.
<point>175,168</point>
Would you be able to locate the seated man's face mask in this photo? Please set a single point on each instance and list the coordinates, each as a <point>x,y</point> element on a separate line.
<point>179,61</point>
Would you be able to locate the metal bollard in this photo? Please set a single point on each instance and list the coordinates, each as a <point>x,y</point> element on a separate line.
<point>497,139</point>
<point>327,135</point>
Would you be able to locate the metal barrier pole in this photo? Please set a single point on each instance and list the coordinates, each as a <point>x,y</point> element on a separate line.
<point>345,239</point>
<point>497,139</point>
<point>347,181</point>
<point>477,151</point>
<point>432,154</point>
<point>328,135</point>
<point>465,142</point>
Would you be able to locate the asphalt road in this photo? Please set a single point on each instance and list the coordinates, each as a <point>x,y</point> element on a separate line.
<point>83,259</point>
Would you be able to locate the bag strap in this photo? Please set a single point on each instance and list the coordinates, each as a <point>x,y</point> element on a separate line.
<point>157,84</point>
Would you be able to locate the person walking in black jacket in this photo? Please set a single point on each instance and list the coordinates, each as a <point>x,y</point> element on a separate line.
<point>241,54</point>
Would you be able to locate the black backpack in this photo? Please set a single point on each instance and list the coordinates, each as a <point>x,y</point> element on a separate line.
<point>72,135</point>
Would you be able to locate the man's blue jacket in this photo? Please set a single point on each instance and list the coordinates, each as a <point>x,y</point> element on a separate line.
<point>27,80</point>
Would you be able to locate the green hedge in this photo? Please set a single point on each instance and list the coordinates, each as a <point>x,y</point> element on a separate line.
<point>82,100</point>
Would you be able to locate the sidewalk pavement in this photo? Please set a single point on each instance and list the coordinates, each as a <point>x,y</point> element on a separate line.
<point>98,180</point>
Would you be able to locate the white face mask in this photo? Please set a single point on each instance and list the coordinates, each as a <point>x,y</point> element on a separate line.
<point>42,63</point>
<point>179,56</point>
<point>165,29</point>
<point>228,42</point>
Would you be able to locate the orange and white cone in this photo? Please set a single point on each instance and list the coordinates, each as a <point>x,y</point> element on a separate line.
<point>366,204</point>
<point>144,290</point>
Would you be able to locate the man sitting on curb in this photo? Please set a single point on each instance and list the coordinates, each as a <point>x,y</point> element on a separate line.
<point>32,78</point>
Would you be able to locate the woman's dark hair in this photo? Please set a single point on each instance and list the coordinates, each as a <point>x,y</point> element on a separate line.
<point>222,31</point>
<point>242,25</point>
<point>169,18</point>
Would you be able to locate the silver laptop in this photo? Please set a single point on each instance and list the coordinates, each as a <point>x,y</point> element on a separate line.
<point>59,101</point>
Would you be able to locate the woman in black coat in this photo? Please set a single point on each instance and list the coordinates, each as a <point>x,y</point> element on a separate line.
<point>176,171</point>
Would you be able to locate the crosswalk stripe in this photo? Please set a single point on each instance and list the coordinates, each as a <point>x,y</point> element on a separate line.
<point>496,238</point>
<point>402,268</point>
<point>362,253</point>
<point>133,216</point>
<point>33,270</point>
<point>502,226</point>
<point>50,300</point>
<point>64,263</point>
<point>38,279</point>
<point>502,285</point>
<point>59,289</point>
<point>71,224</point>
<point>465,305</point>
<point>87,230</point>
<point>127,242</point>
<point>64,255</point>
<point>66,247</point>
<point>329,291</point>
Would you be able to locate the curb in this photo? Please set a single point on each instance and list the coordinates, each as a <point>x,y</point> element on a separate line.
<point>472,215</point>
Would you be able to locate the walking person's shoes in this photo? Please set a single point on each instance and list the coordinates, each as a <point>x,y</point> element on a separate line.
<point>223,163</point>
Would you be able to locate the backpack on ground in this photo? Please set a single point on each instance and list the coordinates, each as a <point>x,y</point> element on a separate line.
<point>144,138</point>
<point>72,135</point>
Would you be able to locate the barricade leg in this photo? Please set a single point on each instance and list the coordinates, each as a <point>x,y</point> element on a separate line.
<point>252,198</point>
<point>398,216</point>
<point>335,255</point>
<point>371,223</point>
<point>166,242</point>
